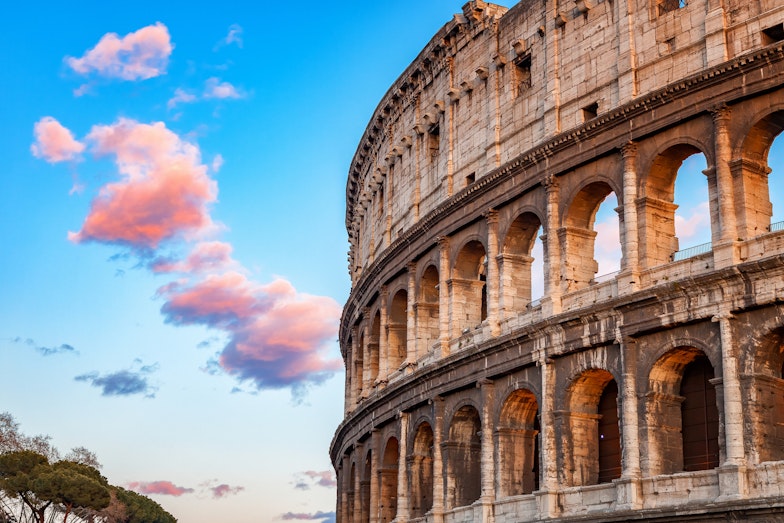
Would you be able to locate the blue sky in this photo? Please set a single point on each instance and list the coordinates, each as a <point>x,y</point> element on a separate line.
<point>198,359</point>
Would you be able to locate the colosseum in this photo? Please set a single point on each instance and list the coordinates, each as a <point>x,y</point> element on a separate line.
<point>490,381</point>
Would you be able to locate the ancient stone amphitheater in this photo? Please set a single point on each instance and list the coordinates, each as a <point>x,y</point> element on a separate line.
<point>652,393</point>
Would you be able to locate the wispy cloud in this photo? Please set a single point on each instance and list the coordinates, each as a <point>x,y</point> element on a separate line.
<point>309,478</point>
<point>162,487</point>
<point>127,382</point>
<point>692,224</point>
<point>164,192</point>
<point>223,490</point>
<point>214,89</point>
<point>53,142</point>
<point>324,517</point>
<point>205,257</point>
<point>63,348</point>
<point>234,36</point>
<point>181,97</point>
<point>138,55</point>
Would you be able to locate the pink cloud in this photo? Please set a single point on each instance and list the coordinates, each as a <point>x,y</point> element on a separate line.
<point>324,478</point>
<point>223,490</point>
<point>180,97</point>
<point>277,336</point>
<point>165,191</point>
<point>205,257</point>
<point>214,88</point>
<point>695,227</point>
<point>607,247</point>
<point>53,142</point>
<point>164,488</point>
<point>136,56</point>
<point>304,516</point>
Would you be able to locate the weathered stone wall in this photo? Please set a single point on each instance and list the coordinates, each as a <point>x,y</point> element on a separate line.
<point>497,405</point>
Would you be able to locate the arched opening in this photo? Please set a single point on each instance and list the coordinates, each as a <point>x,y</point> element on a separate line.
<point>762,385</point>
<point>427,311</point>
<point>420,466</point>
<point>607,246</point>
<point>388,476</point>
<point>609,434</point>
<point>397,330</point>
<point>372,356</point>
<point>674,215</point>
<point>758,174</point>
<point>594,459</point>
<point>578,237</point>
<point>468,289</point>
<point>682,417</point>
<point>463,450</point>
<point>518,429</point>
<point>364,489</point>
<point>700,416</point>
<point>516,264</point>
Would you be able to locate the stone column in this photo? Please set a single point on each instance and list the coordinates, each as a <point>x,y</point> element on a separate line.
<point>342,514</point>
<point>629,488</point>
<point>402,472</point>
<point>358,483</point>
<point>551,303</point>
<point>493,279</point>
<point>443,295</point>
<point>356,377</point>
<point>411,319</point>
<point>438,463</point>
<point>629,277</point>
<point>367,383</point>
<point>725,252</point>
<point>627,54</point>
<point>383,336</point>
<point>732,477</point>
<point>374,509</point>
<point>487,460</point>
<point>547,496</point>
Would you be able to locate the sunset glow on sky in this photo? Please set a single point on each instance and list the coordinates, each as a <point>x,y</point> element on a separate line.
<point>174,260</point>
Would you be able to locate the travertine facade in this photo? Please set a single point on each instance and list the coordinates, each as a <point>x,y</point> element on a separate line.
<point>654,393</point>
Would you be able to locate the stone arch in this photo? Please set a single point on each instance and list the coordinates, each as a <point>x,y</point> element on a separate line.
<point>656,208</point>
<point>397,330</point>
<point>427,310</point>
<point>587,462</point>
<point>364,487</point>
<point>671,398</point>
<point>515,262</point>
<point>372,355</point>
<point>388,481</point>
<point>462,456</point>
<point>763,396</point>
<point>518,444</point>
<point>751,171</point>
<point>468,290</point>
<point>578,236</point>
<point>420,467</point>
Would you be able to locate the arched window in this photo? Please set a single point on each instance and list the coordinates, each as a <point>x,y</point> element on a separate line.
<point>388,473</point>
<point>592,402</point>
<point>468,288</point>
<point>700,417</point>
<point>420,464</point>
<point>516,265</point>
<point>518,430</point>
<point>427,313</point>
<point>396,344</point>
<point>463,452</point>
<point>579,234</point>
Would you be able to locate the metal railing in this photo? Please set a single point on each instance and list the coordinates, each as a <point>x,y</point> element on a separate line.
<point>691,252</point>
<point>604,277</point>
<point>778,226</point>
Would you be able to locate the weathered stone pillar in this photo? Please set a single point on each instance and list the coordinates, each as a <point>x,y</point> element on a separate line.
<point>383,337</point>
<point>752,197</point>
<point>438,461</point>
<point>411,319</point>
<point>375,438</point>
<point>716,48</point>
<point>725,253</point>
<point>629,487</point>
<point>487,460</point>
<point>402,470</point>
<point>627,54</point>
<point>547,496</point>
<point>551,302</point>
<point>358,483</point>
<point>629,277</point>
<point>444,315</point>
<point>493,280</point>
<point>732,476</point>
<point>367,382</point>
<point>343,487</point>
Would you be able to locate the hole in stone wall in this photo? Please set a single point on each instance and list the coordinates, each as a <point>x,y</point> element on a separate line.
<point>590,111</point>
<point>773,34</point>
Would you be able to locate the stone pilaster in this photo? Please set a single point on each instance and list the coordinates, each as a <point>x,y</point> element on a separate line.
<point>547,496</point>
<point>629,487</point>
<point>629,277</point>
<point>487,460</point>
<point>493,279</point>
<point>358,483</point>
<point>411,319</point>
<point>551,302</point>
<point>383,338</point>
<point>343,487</point>
<point>438,460</point>
<point>375,456</point>
<point>402,471</point>
<point>724,251</point>
<point>443,294</point>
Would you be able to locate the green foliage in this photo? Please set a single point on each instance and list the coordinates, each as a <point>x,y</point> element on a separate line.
<point>141,509</point>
